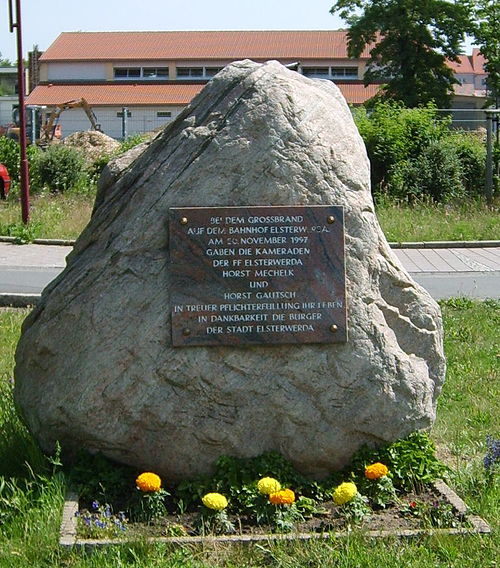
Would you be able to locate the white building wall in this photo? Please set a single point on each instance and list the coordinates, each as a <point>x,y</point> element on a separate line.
<point>7,105</point>
<point>141,120</point>
<point>76,72</point>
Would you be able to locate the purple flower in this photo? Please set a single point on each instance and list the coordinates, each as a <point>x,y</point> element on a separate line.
<point>100,524</point>
<point>95,505</point>
<point>492,456</point>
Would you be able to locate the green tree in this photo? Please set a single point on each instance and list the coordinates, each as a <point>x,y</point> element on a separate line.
<point>486,31</point>
<point>5,62</point>
<point>410,41</point>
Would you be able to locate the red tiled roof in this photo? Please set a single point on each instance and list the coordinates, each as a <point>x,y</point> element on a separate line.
<point>473,63</point>
<point>357,93</point>
<point>206,45</point>
<point>114,94</point>
<point>464,65</point>
<point>148,95</point>
<point>478,61</point>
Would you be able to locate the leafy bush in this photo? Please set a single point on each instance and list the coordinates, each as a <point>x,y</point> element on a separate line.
<point>436,173</point>
<point>132,141</point>
<point>414,153</point>
<point>394,134</point>
<point>471,151</point>
<point>412,461</point>
<point>9,156</point>
<point>58,168</point>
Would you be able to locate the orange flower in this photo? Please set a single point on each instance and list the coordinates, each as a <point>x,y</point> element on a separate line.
<point>376,471</point>
<point>148,482</point>
<point>283,497</point>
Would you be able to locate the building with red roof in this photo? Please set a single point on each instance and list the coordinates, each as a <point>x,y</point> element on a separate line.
<point>154,75</point>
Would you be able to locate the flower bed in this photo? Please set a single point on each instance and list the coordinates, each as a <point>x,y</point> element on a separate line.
<point>245,500</point>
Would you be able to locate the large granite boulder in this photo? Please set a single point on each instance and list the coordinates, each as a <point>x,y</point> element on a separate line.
<point>95,366</point>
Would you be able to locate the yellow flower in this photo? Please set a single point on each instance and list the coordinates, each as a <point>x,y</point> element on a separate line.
<point>148,482</point>
<point>268,485</point>
<point>344,493</point>
<point>283,497</point>
<point>376,471</point>
<point>214,501</point>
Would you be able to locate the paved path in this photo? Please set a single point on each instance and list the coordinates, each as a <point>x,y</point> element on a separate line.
<point>472,272</point>
<point>445,271</point>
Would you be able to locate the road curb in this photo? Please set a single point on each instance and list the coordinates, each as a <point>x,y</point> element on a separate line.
<point>12,300</point>
<point>444,244</point>
<point>58,242</point>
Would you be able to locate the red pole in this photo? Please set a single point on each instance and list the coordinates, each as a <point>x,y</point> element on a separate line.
<point>25,183</point>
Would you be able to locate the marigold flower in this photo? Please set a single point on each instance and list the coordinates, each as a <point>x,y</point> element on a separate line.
<point>268,485</point>
<point>344,493</point>
<point>148,482</point>
<point>376,471</point>
<point>214,501</point>
<point>283,497</point>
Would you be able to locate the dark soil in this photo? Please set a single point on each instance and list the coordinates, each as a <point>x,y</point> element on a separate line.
<point>425,510</point>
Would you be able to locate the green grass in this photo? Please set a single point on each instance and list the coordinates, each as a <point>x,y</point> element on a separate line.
<point>64,216</point>
<point>30,502</point>
<point>469,221</point>
<point>52,216</point>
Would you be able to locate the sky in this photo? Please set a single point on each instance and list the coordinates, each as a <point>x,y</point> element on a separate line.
<point>43,20</point>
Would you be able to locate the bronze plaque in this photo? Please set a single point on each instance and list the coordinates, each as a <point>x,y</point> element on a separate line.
<point>257,275</point>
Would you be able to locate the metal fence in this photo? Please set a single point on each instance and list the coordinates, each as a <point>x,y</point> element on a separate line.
<point>120,122</point>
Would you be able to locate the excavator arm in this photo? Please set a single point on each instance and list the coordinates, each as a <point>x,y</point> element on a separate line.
<point>48,129</point>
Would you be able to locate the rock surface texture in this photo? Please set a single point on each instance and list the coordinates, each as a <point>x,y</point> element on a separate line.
<point>95,367</point>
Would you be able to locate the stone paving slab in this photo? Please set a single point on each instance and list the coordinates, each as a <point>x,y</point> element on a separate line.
<point>450,260</point>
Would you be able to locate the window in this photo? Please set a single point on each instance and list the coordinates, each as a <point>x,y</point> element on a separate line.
<point>323,72</point>
<point>197,72</point>
<point>190,72</point>
<point>120,114</point>
<point>127,72</point>
<point>141,73</point>
<point>330,72</point>
<point>344,72</point>
<point>212,71</point>
<point>164,114</point>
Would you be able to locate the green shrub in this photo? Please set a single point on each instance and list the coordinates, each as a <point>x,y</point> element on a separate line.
<point>471,152</point>
<point>414,154</point>
<point>9,156</point>
<point>132,141</point>
<point>394,134</point>
<point>436,174</point>
<point>58,168</point>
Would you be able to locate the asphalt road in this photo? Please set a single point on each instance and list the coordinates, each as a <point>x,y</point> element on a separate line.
<point>471,271</point>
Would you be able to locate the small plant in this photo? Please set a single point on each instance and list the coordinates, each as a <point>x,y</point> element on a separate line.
<point>353,507</point>
<point>99,521</point>
<point>151,503</point>
<point>24,234</point>
<point>379,487</point>
<point>491,460</point>
<point>213,517</point>
<point>435,514</point>
<point>285,512</point>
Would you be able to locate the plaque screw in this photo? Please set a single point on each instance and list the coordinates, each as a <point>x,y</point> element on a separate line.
<point>186,331</point>
<point>330,219</point>
<point>333,328</point>
<point>184,221</point>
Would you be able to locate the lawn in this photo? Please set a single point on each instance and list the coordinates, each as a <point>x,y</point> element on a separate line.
<point>32,488</point>
<point>64,216</point>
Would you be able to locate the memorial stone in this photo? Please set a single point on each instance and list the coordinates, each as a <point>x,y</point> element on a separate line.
<point>233,294</point>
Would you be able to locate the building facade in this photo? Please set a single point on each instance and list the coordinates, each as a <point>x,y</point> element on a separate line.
<point>154,75</point>
<point>138,81</point>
